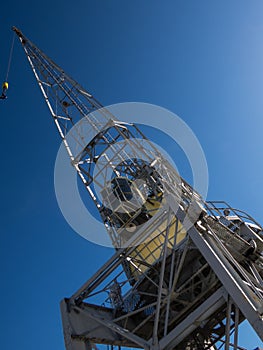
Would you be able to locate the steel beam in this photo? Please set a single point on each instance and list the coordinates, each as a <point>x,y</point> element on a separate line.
<point>193,320</point>
<point>232,282</point>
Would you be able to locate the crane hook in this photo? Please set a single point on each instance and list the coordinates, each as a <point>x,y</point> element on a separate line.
<point>5,83</point>
<point>4,90</point>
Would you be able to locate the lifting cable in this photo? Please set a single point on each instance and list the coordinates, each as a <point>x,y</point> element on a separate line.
<point>5,83</point>
<point>10,58</point>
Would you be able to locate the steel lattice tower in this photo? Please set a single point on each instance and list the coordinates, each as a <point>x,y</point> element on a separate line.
<point>170,284</point>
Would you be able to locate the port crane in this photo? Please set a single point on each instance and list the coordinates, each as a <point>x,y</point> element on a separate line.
<point>185,273</point>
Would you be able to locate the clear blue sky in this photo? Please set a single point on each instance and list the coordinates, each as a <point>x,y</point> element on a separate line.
<point>203,60</point>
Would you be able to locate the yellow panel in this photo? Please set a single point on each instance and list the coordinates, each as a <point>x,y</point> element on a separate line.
<point>150,252</point>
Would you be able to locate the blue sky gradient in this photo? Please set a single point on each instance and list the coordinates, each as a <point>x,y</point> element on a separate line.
<point>203,60</point>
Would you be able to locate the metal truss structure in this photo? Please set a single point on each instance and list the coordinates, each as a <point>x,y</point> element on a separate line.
<point>185,272</point>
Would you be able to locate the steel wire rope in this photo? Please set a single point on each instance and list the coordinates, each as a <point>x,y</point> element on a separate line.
<point>10,58</point>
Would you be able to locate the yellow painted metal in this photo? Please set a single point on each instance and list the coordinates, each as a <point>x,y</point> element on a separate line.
<point>5,85</point>
<point>148,253</point>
